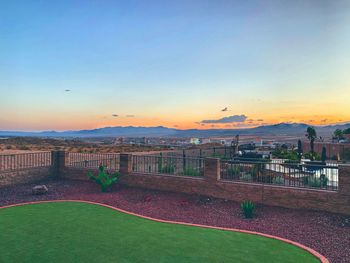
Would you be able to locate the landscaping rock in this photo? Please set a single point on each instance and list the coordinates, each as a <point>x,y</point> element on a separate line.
<point>39,189</point>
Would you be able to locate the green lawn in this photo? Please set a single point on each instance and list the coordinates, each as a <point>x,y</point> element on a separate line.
<point>79,232</point>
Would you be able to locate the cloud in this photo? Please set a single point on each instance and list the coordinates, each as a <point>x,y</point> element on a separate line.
<point>115,115</point>
<point>229,119</point>
<point>259,120</point>
<point>130,116</point>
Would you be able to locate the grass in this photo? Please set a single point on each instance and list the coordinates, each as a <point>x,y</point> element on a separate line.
<point>79,232</point>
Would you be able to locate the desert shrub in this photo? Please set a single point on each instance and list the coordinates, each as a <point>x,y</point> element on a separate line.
<point>234,170</point>
<point>104,179</point>
<point>246,177</point>
<point>190,171</point>
<point>313,181</point>
<point>278,180</point>
<point>248,208</point>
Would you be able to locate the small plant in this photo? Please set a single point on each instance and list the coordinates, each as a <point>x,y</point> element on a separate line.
<point>104,179</point>
<point>316,182</point>
<point>278,180</point>
<point>234,170</point>
<point>248,208</point>
<point>246,177</point>
<point>324,180</point>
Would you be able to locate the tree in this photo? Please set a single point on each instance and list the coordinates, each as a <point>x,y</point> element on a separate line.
<point>300,149</point>
<point>311,135</point>
<point>346,131</point>
<point>324,155</point>
<point>338,134</point>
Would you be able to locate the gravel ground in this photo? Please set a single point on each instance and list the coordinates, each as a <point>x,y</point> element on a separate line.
<point>327,233</point>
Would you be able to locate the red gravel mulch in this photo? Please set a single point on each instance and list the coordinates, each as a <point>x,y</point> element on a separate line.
<point>327,233</point>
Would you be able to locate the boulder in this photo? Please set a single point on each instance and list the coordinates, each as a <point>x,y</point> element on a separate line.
<point>39,189</point>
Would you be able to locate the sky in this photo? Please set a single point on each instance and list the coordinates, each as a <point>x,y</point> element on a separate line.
<point>67,65</point>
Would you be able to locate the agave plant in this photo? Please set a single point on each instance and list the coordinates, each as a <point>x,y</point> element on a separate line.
<point>104,179</point>
<point>248,208</point>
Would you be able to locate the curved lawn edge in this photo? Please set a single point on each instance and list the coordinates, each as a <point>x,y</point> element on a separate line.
<point>322,258</point>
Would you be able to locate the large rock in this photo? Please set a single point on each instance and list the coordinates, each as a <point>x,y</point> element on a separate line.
<point>39,189</point>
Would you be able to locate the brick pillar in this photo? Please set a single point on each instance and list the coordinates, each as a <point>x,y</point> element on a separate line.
<point>58,162</point>
<point>125,163</point>
<point>344,179</point>
<point>212,169</point>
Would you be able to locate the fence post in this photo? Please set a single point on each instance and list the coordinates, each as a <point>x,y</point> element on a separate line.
<point>344,179</point>
<point>58,163</point>
<point>212,169</point>
<point>125,163</point>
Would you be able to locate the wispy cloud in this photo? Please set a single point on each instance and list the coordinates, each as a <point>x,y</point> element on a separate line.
<point>130,116</point>
<point>229,119</point>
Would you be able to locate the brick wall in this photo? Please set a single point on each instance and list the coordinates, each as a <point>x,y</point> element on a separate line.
<point>24,176</point>
<point>211,185</point>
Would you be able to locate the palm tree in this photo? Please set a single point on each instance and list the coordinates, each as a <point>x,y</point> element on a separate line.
<point>338,133</point>
<point>311,135</point>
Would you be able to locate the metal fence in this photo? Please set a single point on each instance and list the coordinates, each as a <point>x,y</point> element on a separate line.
<point>315,176</point>
<point>168,165</point>
<point>22,161</point>
<point>111,161</point>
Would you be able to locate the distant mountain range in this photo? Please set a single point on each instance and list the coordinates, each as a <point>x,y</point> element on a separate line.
<point>293,129</point>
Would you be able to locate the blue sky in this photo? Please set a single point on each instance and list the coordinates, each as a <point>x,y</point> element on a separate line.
<point>172,63</point>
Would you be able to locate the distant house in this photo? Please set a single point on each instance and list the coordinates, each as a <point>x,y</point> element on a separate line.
<point>195,141</point>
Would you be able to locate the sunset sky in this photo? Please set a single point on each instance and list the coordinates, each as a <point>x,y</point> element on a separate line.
<point>88,64</point>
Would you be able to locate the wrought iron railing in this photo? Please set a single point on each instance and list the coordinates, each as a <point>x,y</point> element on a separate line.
<point>168,165</point>
<point>111,161</point>
<point>22,161</point>
<point>316,176</point>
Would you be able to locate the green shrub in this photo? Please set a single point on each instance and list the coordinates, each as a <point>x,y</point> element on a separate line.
<point>312,156</point>
<point>248,208</point>
<point>246,177</point>
<point>167,169</point>
<point>190,171</point>
<point>313,181</point>
<point>104,179</point>
<point>234,170</point>
<point>278,180</point>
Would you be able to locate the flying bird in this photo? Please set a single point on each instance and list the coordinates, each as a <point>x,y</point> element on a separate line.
<point>67,90</point>
<point>225,109</point>
<point>115,115</point>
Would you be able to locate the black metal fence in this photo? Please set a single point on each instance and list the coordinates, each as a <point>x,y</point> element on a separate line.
<point>22,161</point>
<point>111,161</point>
<point>317,176</point>
<point>224,152</point>
<point>168,165</point>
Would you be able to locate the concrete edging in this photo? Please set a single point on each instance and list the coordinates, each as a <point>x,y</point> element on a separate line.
<point>322,258</point>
